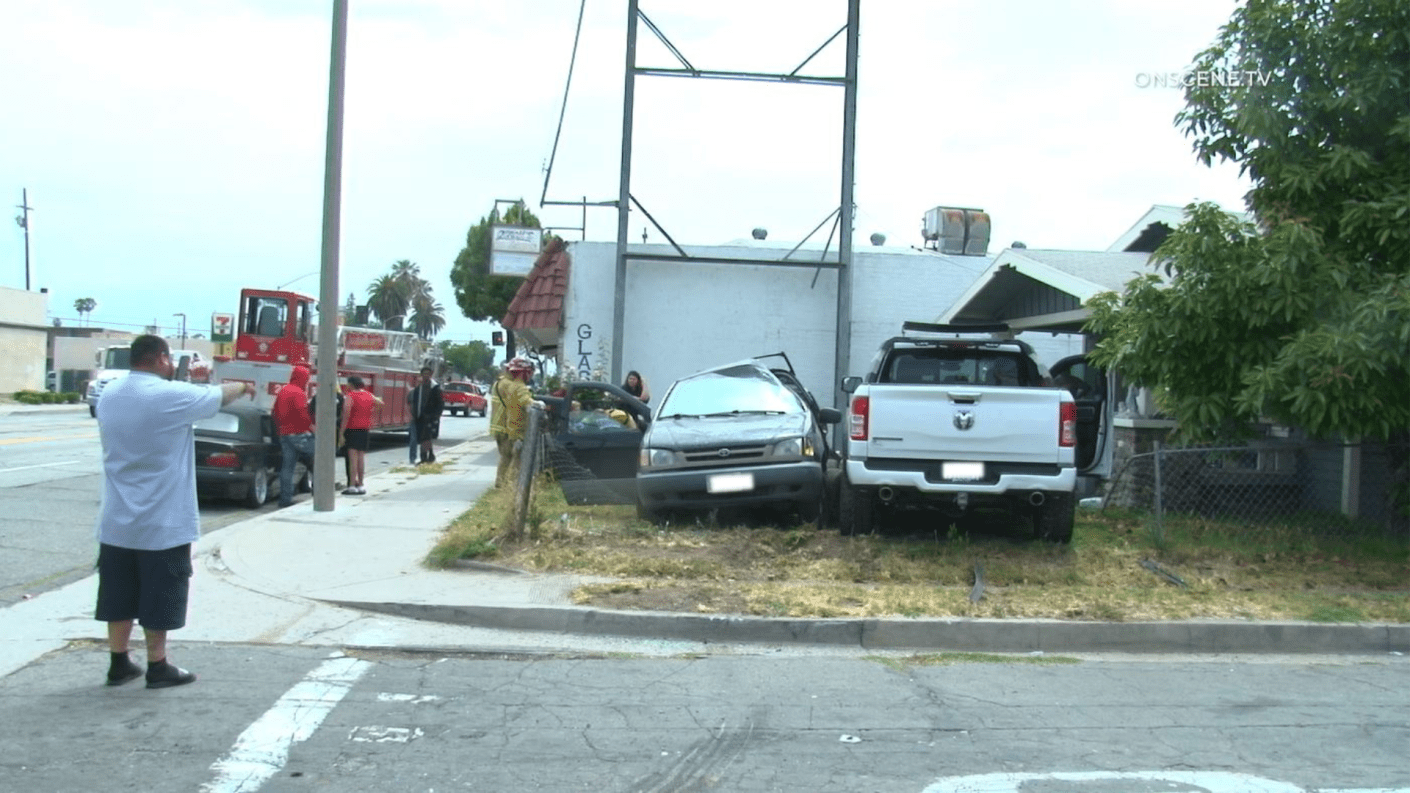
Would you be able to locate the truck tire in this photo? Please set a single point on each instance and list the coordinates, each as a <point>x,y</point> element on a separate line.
<point>1053,520</point>
<point>854,510</point>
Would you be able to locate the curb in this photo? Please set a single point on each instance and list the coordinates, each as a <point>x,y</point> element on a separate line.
<point>954,635</point>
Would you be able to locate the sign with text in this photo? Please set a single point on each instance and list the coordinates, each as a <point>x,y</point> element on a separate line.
<point>364,342</point>
<point>222,327</point>
<point>513,249</point>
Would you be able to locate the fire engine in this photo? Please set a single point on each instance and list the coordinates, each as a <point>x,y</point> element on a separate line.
<point>276,331</point>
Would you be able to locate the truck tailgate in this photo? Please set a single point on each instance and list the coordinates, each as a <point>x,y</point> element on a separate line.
<point>964,422</point>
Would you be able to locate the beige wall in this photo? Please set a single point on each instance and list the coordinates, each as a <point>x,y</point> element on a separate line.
<point>23,340</point>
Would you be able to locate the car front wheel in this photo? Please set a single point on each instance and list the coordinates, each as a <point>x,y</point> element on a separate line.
<point>258,493</point>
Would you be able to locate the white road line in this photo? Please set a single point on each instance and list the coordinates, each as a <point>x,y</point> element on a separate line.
<point>1210,781</point>
<point>263,748</point>
<point>41,465</point>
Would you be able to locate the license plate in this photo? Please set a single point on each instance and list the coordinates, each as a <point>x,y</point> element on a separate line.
<point>962,472</point>
<point>729,483</point>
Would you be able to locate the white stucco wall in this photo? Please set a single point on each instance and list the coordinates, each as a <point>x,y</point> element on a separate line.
<point>685,316</point>
<point>23,339</point>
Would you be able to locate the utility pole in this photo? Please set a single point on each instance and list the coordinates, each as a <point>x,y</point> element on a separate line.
<point>22,220</point>
<point>183,328</point>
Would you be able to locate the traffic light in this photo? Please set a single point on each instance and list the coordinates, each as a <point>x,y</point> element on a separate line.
<point>497,338</point>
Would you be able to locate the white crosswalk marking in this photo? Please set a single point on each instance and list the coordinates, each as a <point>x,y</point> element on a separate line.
<point>263,748</point>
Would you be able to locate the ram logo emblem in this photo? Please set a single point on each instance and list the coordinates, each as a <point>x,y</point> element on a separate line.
<point>964,419</point>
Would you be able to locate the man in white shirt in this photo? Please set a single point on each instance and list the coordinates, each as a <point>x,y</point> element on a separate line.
<point>149,516</point>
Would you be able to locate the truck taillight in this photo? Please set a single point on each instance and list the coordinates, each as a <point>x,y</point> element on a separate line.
<point>859,417</point>
<point>1067,424</point>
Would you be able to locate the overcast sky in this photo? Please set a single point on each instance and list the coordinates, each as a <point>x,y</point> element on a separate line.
<point>173,149</point>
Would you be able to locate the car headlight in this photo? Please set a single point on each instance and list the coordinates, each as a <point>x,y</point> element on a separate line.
<point>789,448</point>
<point>659,458</point>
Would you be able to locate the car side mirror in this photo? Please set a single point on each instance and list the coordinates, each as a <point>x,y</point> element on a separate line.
<point>849,384</point>
<point>829,416</point>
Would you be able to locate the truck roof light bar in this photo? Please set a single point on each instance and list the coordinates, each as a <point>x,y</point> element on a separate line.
<point>931,327</point>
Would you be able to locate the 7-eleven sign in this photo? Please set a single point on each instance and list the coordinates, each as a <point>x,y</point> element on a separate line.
<point>223,327</point>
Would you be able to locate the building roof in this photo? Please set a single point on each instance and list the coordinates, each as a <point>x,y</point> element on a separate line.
<point>536,312</point>
<point>1154,226</point>
<point>1044,289</point>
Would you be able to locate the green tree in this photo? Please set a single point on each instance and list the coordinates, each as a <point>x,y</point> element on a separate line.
<point>349,310</point>
<point>1303,318</point>
<point>475,359</point>
<point>385,300</point>
<point>84,305</point>
<point>427,316</point>
<point>482,296</point>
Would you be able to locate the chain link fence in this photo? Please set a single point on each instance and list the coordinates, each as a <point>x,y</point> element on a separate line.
<point>1265,482</point>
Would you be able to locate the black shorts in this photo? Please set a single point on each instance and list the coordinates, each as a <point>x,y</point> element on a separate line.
<point>151,587</point>
<point>358,440</point>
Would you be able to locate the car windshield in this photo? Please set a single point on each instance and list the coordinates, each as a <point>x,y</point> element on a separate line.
<point>727,392</point>
<point>456,387</point>
<point>960,365</point>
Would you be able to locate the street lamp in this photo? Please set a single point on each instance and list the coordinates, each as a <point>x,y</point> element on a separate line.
<point>183,328</point>
<point>300,278</point>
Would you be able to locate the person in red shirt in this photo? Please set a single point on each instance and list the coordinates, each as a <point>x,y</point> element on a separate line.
<point>295,428</point>
<point>356,431</point>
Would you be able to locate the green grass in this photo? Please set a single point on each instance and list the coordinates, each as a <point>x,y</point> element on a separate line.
<point>1298,569</point>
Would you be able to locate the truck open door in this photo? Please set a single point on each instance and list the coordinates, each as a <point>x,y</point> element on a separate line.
<point>1092,389</point>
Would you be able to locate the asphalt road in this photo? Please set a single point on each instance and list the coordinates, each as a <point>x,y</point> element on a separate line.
<point>264,718</point>
<point>50,485</point>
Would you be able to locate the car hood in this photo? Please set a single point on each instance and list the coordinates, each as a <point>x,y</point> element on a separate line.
<point>695,433</point>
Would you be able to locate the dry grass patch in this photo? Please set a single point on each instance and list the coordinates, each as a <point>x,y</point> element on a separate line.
<point>1297,571</point>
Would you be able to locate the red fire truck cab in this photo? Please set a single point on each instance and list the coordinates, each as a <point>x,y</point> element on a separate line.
<point>277,331</point>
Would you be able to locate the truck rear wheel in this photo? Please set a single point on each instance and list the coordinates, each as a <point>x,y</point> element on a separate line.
<point>854,510</point>
<point>1052,521</point>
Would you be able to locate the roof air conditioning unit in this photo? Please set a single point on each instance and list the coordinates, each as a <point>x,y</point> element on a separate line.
<point>957,231</point>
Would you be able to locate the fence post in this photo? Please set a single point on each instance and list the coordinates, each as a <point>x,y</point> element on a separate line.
<point>524,477</point>
<point>1159,506</point>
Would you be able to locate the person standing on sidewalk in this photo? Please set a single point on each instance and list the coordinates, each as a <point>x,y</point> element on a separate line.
<point>509,416</point>
<point>294,424</point>
<point>356,433</point>
<point>426,403</point>
<point>149,516</point>
<point>337,422</point>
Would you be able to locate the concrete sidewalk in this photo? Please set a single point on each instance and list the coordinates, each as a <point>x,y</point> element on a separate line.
<point>353,577</point>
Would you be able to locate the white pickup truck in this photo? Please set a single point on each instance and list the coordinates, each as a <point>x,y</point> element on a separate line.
<point>955,418</point>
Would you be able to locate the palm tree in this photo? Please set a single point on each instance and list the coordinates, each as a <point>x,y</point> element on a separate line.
<point>84,305</point>
<point>428,316</point>
<point>386,299</point>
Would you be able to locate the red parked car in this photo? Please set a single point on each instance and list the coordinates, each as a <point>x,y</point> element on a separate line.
<point>464,398</point>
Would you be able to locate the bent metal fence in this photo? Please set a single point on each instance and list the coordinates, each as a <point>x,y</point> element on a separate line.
<point>1265,481</point>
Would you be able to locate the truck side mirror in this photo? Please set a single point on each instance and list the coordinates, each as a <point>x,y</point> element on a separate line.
<point>829,416</point>
<point>849,384</point>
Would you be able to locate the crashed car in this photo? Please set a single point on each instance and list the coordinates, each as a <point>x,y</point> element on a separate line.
<point>238,456</point>
<point>737,435</point>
